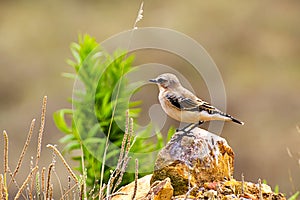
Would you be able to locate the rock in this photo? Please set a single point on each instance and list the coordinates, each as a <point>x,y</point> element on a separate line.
<point>196,165</point>
<point>143,187</point>
<point>193,158</point>
<point>210,194</point>
<point>161,190</point>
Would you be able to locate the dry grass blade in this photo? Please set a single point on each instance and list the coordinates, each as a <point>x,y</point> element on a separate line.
<point>23,151</point>
<point>260,197</point>
<point>50,192</point>
<point>124,140</point>
<point>126,158</point>
<point>65,195</point>
<point>41,131</point>
<point>64,162</point>
<point>1,187</point>
<point>139,16</point>
<point>38,185</point>
<point>136,178</point>
<point>243,184</point>
<point>5,154</point>
<point>43,180</point>
<point>289,152</point>
<point>5,163</point>
<point>111,186</point>
<point>48,180</point>
<point>291,181</point>
<point>84,176</point>
<point>33,171</point>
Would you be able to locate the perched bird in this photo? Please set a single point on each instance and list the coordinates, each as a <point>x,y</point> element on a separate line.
<point>182,105</point>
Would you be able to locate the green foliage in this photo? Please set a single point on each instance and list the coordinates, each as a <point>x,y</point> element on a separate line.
<point>100,85</point>
<point>276,189</point>
<point>294,196</point>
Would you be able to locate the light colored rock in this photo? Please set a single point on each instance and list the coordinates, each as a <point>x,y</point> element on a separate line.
<point>160,190</point>
<point>143,187</point>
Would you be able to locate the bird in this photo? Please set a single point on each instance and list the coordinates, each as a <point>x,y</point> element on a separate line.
<point>184,106</point>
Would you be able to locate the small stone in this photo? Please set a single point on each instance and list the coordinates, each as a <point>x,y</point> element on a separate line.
<point>230,197</point>
<point>161,190</point>
<point>143,187</point>
<point>210,194</point>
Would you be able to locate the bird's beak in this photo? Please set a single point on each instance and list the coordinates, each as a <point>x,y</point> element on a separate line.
<point>153,80</point>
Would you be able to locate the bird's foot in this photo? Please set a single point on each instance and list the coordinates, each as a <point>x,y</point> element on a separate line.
<point>187,129</point>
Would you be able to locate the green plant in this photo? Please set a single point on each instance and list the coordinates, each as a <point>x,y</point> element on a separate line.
<point>99,109</point>
<point>294,196</point>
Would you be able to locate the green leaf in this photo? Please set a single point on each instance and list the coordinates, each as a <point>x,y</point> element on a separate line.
<point>60,120</point>
<point>276,189</point>
<point>67,138</point>
<point>294,196</point>
<point>69,75</point>
<point>74,145</point>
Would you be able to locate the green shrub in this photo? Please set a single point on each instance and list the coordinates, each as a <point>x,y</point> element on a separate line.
<point>96,93</point>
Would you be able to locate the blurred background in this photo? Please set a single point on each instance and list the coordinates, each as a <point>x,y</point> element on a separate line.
<point>255,45</point>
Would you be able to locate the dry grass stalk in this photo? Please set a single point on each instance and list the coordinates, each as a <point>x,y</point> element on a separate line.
<point>58,180</point>
<point>66,194</point>
<point>15,182</point>
<point>139,16</point>
<point>298,128</point>
<point>69,186</point>
<point>40,137</point>
<point>56,175</point>
<point>41,131</point>
<point>289,152</point>
<point>125,158</point>
<point>51,192</point>
<point>84,172</point>
<point>113,176</point>
<point>23,151</point>
<point>5,163</point>
<point>124,140</point>
<point>118,194</point>
<point>81,191</point>
<point>136,178</point>
<point>260,197</point>
<point>64,162</point>
<point>43,180</point>
<point>33,171</point>
<point>101,191</point>
<point>38,185</point>
<point>48,180</point>
<point>291,181</point>
<point>117,171</point>
<point>5,154</point>
<point>1,187</point>
<point>243,183</point>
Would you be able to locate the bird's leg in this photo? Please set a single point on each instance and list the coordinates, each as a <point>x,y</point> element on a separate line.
<point>187,129</point>
<point>196,125</point>
<point>184,128</point>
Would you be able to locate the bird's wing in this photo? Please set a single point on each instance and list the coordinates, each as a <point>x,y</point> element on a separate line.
<point>196,105</point>
<point>188,104</point>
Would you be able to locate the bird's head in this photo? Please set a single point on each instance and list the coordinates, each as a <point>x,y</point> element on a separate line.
<point>166,80</point>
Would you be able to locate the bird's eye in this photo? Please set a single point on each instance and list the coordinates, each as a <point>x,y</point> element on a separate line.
<point>161,80</point>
